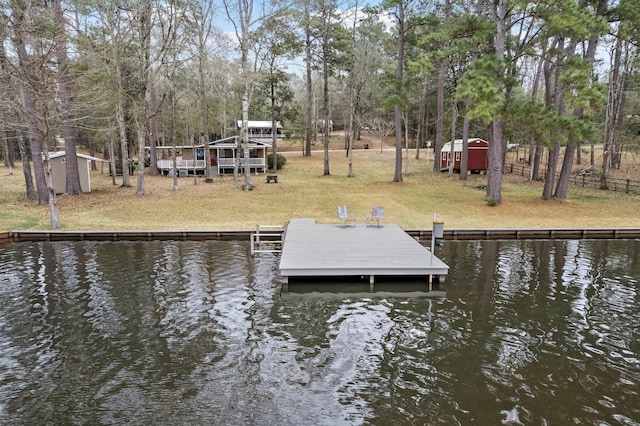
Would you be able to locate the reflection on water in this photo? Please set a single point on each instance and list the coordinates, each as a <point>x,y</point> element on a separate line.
<point>201,333</point>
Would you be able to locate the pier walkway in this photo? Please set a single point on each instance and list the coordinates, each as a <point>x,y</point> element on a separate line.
<point>319,250</point>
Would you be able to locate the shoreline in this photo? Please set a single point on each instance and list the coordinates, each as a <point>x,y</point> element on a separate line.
<point>241,234</point>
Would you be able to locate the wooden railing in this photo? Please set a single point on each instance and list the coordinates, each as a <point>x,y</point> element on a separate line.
<point>253,162</point>
<point>199,164</point>
<point>181,164</point>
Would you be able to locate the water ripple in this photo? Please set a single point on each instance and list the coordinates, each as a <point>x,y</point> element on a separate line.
<point>172,332</point>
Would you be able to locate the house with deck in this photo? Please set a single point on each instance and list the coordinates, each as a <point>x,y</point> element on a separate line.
<point>260,130</point>
<point>223,153</point>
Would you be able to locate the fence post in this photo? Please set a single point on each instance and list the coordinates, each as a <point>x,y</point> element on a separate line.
<point>627,188</point>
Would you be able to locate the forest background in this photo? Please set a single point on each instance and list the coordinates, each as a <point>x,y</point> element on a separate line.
<point>118,77</point>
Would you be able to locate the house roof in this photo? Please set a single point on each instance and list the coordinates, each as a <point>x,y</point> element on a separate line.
<point>259,124</point>
<point>226,144</point>
<point>457,144</point>
<point>230,142</point>
<point>58,154</point>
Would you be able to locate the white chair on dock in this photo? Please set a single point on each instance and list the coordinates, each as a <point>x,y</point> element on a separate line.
<point>344,215</point>
<point>375,215</point>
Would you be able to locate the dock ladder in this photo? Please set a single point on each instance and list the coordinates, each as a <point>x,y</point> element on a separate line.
<point>267,239</point>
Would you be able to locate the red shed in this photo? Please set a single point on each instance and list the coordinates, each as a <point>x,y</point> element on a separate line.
<point>478,155</point>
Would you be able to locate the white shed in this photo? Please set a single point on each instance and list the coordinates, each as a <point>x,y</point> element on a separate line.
<point>59,170</point>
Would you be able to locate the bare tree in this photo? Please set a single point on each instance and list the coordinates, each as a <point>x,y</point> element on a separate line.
<point>66,99</point>
<point>240,14</point>
<point>397,109</point>
<point>323,25</point>
<point>201,13</point>
<point>5,82</point>
<point>164,19</point>
<point>621,64</point>
<point>37,86</point>
<point>308,82</point>
<point>111,46</point>
<point>578,112</point>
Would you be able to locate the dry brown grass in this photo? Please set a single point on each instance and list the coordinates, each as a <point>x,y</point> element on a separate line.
<point>303,191</point>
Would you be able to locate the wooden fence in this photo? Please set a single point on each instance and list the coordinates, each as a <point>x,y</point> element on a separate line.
<point>586,180</point>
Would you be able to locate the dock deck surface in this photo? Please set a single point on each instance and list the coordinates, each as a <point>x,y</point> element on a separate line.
<point>312,250</point>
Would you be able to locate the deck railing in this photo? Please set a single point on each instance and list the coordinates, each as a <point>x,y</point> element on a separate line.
<point>228,162</point>
<point>181,164</point>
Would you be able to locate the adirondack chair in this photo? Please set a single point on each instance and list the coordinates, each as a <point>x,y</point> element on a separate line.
<point>344,215</point>
<point>375,215</point>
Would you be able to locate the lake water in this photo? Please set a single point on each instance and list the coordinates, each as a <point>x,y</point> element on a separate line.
<point>168,332</point>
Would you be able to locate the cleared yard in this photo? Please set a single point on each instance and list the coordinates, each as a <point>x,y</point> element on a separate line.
<point>303,191</point>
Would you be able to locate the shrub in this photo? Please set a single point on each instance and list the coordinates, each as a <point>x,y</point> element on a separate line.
<point>281,161</point>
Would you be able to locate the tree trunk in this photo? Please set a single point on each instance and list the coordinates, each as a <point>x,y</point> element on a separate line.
<point>174,139</point>
<point>552,86</point>
<point>31,112</point>
<point>26,169</point>
<point>7,146</point>
<point>66,101</point>
<point>144,74</point>
<point>437,146</point>
<point>464,162</point>
<point>494,174</point>
<point>325,98</point>
<point>613,112</point>
<point>309,88</point>
<point>423,121</point>
<point>406,142</point>
<point>454,120</point>
<point>202,18</point>
<point>565,172</point>
<point>53,202</point>
<point>399,84</point>
<point>112,159</point>
<point>567,163</point>
<point>122,129</point>
<point>248,184</point>
<point>274,130</point>
<point>535,163</point>
<point>352,103</point>
<point>535,147</point>
<point>397,114</point>
<point>153,130</point>
<point>496,145</point>
<point>142,137</point>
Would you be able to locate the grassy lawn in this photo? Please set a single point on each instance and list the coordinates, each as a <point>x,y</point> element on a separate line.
<point>303,191</point>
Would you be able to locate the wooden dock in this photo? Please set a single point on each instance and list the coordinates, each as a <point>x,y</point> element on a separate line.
<point>319,250</point>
